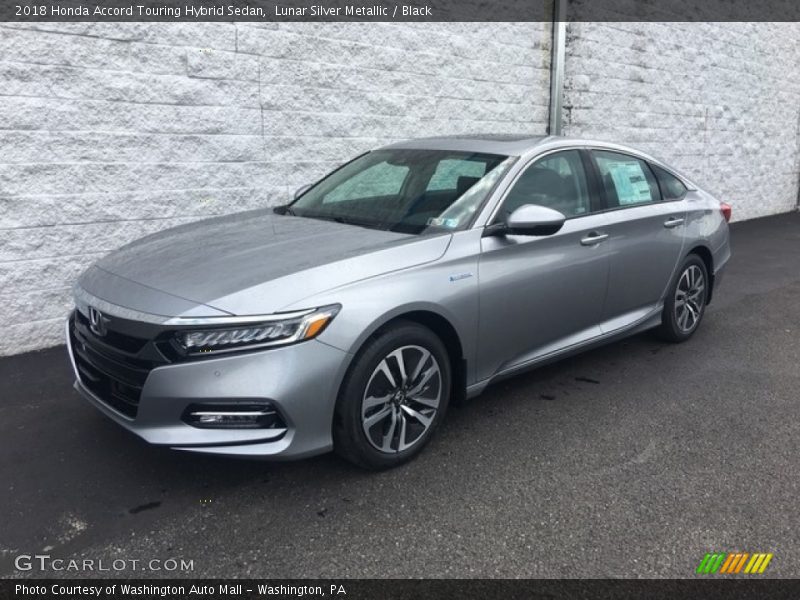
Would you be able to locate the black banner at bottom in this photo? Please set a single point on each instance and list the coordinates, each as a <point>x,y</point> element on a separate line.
<point>400,589</point>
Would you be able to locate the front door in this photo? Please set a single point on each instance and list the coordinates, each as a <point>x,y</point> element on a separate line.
<point>539,294</point>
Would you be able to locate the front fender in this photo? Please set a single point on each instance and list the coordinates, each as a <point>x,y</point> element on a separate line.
<point>447,288</point>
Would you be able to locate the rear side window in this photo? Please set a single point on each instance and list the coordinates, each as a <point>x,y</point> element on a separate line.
<point>627,180</point>
<point>672,188</point>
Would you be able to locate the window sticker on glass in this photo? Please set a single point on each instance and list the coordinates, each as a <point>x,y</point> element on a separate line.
<point>630,181</point>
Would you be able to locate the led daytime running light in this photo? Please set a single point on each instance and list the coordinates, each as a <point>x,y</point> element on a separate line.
<point>270,333</point>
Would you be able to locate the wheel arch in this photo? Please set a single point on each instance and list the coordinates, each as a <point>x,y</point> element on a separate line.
<point>440,324</point>
<point>708,259</point>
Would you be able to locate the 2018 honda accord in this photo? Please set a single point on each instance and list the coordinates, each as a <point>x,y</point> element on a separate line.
<point>417,273</point>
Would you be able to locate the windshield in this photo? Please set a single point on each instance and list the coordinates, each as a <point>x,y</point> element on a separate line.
<point>409,191</point>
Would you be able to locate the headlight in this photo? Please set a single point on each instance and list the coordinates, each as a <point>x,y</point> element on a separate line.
<point>271,331</point>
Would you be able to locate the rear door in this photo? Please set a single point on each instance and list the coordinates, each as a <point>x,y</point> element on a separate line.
<point>646,230</point>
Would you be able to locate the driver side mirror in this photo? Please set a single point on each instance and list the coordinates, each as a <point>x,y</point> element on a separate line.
<point>301,190</point>
<point>530,219</point>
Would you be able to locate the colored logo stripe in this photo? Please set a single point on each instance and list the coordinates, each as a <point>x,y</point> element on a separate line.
<point>758,563</point>
<point>711,562</point>
<point>733,562</point>
<point>726,566</point>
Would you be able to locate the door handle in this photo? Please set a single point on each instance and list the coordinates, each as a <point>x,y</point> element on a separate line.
<point>673,222</point>
<point>593,238</point>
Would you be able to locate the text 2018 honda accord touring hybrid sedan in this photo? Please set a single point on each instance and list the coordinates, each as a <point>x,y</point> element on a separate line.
<point>417,273</point>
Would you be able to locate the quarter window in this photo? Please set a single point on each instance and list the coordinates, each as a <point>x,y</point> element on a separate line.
<point>672,188</point>
<point>556,181</point>
<point>627,180</point>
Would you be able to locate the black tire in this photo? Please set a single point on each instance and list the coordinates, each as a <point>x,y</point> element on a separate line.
<point>673,326</point>
<point>349,436</point>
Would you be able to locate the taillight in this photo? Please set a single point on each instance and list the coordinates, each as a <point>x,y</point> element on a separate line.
<point>726,210</point>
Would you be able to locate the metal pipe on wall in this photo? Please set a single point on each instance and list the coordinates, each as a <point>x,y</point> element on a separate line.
<point>557,67</point>
<point>797,137</point>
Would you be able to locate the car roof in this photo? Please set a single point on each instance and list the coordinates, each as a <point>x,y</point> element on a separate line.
<point>509,144</point>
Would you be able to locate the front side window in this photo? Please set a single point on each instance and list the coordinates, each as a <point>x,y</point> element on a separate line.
<point>627,180</point>
<point>410,191</point>
<point>557,181</point>
<point>672,188</point>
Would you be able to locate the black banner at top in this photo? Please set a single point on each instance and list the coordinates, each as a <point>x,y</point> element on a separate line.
<point>399,10</point>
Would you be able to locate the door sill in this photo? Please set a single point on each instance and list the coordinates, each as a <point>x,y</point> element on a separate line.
<point>576,343</point>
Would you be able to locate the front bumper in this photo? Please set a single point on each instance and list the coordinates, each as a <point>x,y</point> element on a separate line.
<point>301,381</point>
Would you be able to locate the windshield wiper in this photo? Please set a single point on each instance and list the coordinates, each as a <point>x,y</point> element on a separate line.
<point>347,221</point>
<point>342,220</point>
<point>286,209</point>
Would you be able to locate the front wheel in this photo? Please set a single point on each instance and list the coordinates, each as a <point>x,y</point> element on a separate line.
<point>393,398</point>
<point>686,299</point>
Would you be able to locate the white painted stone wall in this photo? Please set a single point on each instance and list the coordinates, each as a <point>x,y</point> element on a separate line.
<point>720,101</point>
<point>109,131</point>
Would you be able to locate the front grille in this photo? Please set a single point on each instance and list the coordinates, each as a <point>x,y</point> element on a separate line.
<point>126,343</point>
<point>113,367</point>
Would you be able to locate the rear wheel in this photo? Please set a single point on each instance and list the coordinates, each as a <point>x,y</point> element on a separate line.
<point>393,398</point>
<point>686,299</point>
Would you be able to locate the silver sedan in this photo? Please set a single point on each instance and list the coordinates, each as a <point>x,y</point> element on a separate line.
<point>412,276</point>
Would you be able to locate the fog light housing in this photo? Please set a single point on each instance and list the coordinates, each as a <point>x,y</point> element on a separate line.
<point>234,416</point>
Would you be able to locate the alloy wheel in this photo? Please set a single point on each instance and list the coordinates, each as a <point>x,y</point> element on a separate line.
<point>401,399</point>
<point>690,298</point>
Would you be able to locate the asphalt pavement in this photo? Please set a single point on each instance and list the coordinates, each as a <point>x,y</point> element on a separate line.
<point>632,460</point>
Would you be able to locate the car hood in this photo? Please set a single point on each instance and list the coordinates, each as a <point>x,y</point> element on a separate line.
<point>255,262</point>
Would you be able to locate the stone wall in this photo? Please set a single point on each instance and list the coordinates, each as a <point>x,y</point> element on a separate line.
<point>720,101</point>
<point>109,132</point>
